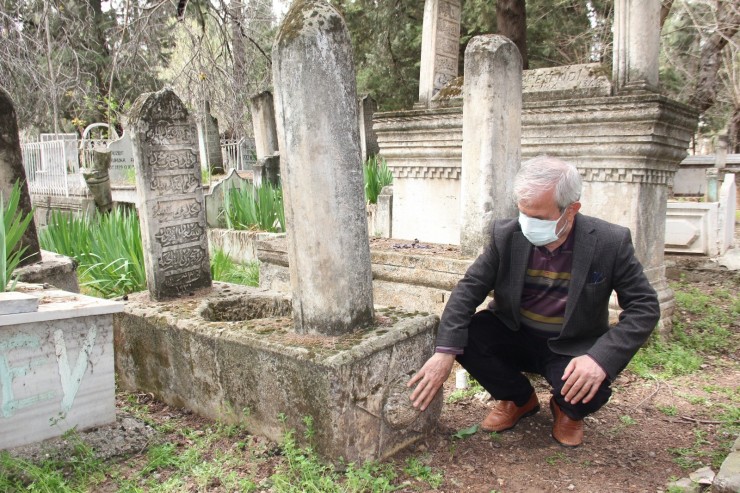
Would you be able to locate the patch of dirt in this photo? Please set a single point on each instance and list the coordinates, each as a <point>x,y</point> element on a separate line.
<point>629,444</point>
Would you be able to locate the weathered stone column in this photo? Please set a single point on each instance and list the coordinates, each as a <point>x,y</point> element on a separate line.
<point>440,46</point>
<point>318,135</point>
<point>636,44</point>
<point>366,108</point>
<point>11,170</point>
<point>263,122</point>
<point>170,196</point>
<point>492,129</point>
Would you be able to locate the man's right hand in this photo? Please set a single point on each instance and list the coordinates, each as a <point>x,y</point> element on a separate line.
<point>430,378</point>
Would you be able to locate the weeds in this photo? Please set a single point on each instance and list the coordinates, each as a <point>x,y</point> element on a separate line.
<point>255,208</point>
<point>13,227</point>
<point>700,327</point>
<point>226,270</point>
<point>377,175</point>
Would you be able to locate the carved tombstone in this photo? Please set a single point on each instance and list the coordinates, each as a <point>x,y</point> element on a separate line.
<point>11,170</point>
<point>171,207</point>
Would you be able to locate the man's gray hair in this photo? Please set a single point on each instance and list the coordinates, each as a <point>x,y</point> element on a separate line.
<point>545,173</point>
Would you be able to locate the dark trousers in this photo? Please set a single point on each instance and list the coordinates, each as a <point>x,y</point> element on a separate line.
<point>496,357</point>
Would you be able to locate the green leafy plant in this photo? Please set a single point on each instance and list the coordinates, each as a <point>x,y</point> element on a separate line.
<point>377,175</point>
<point>416,468</point>
<point>223,268</point>
<point>466,432</point>
<point>107,248</point>
<point>14,226</point>
<point>259,208</point>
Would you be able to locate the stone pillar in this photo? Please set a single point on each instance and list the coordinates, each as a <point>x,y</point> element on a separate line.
<point>263,121</point>
<point>636,44</point>
<point>492,129</point>
<point>170,196</point>
<point>316,107</point>
<point>12,170</point>
<point>368,140</point>
<point>97,178</point>
<point>440,46</point>
<point>214,158</point>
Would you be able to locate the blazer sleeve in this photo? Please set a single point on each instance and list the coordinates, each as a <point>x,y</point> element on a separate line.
<point>467,295</point>
<point>639,316</point>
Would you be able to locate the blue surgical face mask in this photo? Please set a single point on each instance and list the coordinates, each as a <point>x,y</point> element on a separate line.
<point>540,232</point>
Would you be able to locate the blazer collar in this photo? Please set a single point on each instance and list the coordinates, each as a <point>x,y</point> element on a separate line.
<point>583,253</point>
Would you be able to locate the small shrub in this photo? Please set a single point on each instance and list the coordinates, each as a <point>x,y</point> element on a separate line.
<point>377,175</point>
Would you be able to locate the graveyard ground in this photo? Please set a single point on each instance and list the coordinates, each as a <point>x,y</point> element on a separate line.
<point>660,424</point>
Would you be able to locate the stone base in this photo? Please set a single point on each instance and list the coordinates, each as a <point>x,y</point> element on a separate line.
<point>54,269</point>
<point>235,357</point>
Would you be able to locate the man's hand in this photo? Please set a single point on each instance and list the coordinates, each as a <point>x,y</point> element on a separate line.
<point>431,377</point>
<point>583,377</point>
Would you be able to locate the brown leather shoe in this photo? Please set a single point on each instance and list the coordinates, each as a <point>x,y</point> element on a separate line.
<point>506,414</point>
<point>565,430</point>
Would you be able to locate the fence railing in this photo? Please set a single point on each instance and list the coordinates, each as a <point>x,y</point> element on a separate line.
<point>51,169</point>
<point>238,154</point>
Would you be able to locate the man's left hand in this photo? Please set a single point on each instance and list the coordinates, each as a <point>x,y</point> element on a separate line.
<point>583,377</point>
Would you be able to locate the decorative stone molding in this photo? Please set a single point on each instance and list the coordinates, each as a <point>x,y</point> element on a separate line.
<point>442,172</point>
<point>626,175</point>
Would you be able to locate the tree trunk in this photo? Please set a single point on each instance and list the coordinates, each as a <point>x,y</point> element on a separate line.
<point>511,21</point>
<point>733,132</point>
<point>665,9</point>
<point>728,22</point>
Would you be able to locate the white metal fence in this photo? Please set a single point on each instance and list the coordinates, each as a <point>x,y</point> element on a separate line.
<point>238,153</point>
<point>51,169</point>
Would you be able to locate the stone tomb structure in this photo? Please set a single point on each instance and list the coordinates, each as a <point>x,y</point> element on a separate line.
<point>250,355</point>
<point>626,139</point>
<point>56,363</point>
<point>171,206</point>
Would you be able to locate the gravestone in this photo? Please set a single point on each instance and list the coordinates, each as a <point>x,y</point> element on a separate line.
<point>318,135</point>
<point>263,121</point>
<point>170,196</point>
<point>440,46</point>
<point>492,130</point>
<point>12,171</point>
<point>210,141</point>
<point>636,45</point>
<point>368,140</point>
<point>585,80</point>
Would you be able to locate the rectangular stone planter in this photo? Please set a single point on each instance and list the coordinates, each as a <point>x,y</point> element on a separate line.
<point>235,357</point>
<point>56,367</point>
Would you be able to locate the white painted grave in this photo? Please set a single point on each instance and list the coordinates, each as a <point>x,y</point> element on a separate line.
<point>56,366</point>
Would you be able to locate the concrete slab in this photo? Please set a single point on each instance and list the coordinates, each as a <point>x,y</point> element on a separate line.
<point>230,353</point>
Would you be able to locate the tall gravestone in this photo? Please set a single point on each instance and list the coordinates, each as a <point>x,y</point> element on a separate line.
<point>492,129</point>
<point>171,207</point>
<point>267,167</point>
<point>263,121</point>
<point>318,134</point>
<point>636,44</point>
<point>440,46</point>
<point>12,171</point>
<point>367,107</point>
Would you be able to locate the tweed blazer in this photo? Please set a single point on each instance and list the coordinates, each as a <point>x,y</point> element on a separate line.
<point>603,261</point>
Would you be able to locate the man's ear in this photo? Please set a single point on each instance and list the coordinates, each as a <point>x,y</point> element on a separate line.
<point>575,207</point>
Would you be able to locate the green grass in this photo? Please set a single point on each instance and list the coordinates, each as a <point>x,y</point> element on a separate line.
<point>110,257</point>
<point>258,208</point>
<point>460,394</point>
<point>107,248</point>
<point>700,327</point>
<point>377,175</point>
<point>12,228</point>
<point>223,268</point>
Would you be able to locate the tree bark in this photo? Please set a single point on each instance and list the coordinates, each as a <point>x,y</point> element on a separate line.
<point>665,9</point>
<point>728,22</point>
<point>511,21</point>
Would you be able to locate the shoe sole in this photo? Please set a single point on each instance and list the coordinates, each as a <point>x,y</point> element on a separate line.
<point>534,411</point>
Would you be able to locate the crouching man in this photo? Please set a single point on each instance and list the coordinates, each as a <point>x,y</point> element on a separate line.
<point>552,272</point>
